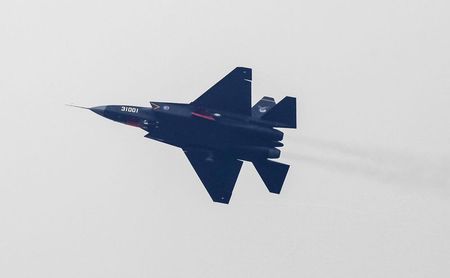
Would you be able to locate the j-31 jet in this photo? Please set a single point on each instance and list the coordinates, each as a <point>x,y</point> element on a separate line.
<point>218,131</point>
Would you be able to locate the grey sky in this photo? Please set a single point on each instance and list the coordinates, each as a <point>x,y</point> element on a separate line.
<point>368,192</point>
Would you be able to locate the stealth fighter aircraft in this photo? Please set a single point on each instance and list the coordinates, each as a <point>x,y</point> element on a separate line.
<point>218,131</point>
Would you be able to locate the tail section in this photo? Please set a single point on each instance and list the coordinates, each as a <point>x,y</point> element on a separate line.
<point>284,114</point>
<point>262,107</point>
<point>272,173</point>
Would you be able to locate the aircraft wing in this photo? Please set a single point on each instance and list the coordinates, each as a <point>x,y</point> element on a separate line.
<point>231,94</point>
<point>218,172</point>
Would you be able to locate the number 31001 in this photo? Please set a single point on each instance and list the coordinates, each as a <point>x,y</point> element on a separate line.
<point>129,109</point>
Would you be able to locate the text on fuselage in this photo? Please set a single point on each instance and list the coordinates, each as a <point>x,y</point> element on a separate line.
<point>129,109</point>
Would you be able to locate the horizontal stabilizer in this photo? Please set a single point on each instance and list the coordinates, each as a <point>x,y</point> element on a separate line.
<point>284,114</point>
<point>272,173</point>
<point>262,107</point>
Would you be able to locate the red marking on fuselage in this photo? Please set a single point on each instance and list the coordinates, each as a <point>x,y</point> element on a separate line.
<point>135,124</point>
<point>207,117</point>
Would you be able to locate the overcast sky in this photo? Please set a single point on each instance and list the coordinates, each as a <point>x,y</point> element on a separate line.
<point>368,193</point>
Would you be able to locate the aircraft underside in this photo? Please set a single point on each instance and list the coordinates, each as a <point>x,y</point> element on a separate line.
<point>219,130</point>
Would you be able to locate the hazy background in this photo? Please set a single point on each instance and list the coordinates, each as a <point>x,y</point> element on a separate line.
<point>368,193</point>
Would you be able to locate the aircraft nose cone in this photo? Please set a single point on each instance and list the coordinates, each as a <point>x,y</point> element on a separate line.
<point>99,110</point>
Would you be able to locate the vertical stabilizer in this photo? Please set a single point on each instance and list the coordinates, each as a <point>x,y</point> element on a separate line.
<point>262,107</point>
<point>284,114</point>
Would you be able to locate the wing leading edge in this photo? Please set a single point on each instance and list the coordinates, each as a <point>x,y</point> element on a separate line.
<point>218,173</point>
<point>231,94</point>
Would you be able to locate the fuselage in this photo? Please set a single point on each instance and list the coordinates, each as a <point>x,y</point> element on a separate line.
<point>188,127</point>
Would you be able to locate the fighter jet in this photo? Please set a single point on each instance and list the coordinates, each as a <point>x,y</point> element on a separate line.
<point>218,131</point>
